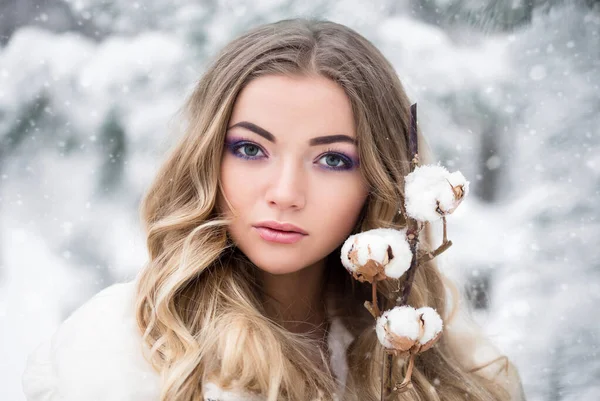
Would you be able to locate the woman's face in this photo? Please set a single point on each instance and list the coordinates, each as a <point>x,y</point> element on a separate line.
<point>291,158</point>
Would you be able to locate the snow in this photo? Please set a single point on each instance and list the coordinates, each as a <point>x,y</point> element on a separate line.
<point>519,106</point>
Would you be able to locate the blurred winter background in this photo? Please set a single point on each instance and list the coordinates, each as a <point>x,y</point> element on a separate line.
<point>508,93</point>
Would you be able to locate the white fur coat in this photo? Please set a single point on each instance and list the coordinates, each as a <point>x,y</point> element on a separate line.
<point>96,355</point>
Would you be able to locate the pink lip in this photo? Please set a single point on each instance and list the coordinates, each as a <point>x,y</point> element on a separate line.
<point>280,226</point>
<point>281,233</point>
<point>283,237</point>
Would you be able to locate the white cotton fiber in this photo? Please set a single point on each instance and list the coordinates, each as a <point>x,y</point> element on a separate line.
<point>373,245</point>
<point>431,191</point>
<point>349,244</point>
<point>401,321</point>
<point>433,323</point>
<point>402,256</point>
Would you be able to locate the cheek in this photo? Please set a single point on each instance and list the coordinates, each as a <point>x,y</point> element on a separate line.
<point>340,206</point>
<point>235,185</point>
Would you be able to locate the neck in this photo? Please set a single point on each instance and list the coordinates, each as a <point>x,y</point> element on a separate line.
<point>296,300</point>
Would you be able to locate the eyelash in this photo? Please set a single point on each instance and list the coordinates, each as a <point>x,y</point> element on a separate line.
<point>235,146</point>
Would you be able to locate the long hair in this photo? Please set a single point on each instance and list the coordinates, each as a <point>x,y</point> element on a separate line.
<point>198,302</point>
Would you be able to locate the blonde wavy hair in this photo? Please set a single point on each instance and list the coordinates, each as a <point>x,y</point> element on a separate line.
<point>199,305</point>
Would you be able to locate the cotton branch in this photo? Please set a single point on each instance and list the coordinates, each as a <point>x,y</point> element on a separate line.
<point>412,234</point>
<point>388,389</point>
<point>430,192</point>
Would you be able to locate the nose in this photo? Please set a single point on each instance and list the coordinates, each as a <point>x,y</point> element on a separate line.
<point>287,188</point>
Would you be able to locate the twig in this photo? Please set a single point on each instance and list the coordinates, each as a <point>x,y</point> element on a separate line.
<point>406,383</point>
<point>412,231</point>
<point>445,239</point>
<point>374,293</point>
<point>412,234</point>
<point>433,254</point>
<point>410,275</point>
<point>388,389</point>
<point>413,144</point>
<point>371,310</point>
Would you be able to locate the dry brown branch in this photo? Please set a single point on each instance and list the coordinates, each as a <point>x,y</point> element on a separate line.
<point>412,234</point>
<point>374,294</point>
<point>371,310</point>
<point>445,239</point>
<point>413,229</point>
<point>433,254</point>
<point>406,383</point>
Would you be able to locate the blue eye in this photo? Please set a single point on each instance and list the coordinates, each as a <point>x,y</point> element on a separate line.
<point>246,150</point>
<point>330,160</point>
<point>336,161</point>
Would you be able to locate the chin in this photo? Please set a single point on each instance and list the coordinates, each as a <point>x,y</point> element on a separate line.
<point>274,267</point>
<point>277,259</point>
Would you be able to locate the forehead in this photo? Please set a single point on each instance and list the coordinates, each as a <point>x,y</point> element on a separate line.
<point>301,106</point>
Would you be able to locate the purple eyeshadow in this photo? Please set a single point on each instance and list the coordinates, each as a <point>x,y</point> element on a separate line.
<point>235,143</point>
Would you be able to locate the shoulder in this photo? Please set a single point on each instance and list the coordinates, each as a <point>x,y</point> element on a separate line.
<point>95,354</point>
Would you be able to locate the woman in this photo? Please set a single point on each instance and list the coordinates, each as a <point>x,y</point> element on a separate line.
<point>296,139</point>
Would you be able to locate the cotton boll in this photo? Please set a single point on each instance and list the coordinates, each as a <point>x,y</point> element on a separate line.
<point>431,192</point>
<point>460,189</point>
<point>390,248</point>
<point>377,254</point>
<point>382,321</point>
<point>401,257</point>
<point>373,245</point>
<point>350,243</point>
<point>432,324</point>
<point>421,189</point>
<point>360,255</point>
<point>457,179</point>
<point>403,321</point>
<point>398,328</point>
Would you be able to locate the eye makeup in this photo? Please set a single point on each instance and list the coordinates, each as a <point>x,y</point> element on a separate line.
<point>350,162</point>
<point>236,144</point>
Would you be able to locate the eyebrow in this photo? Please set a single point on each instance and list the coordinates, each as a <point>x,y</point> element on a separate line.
<point>319,140</point>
